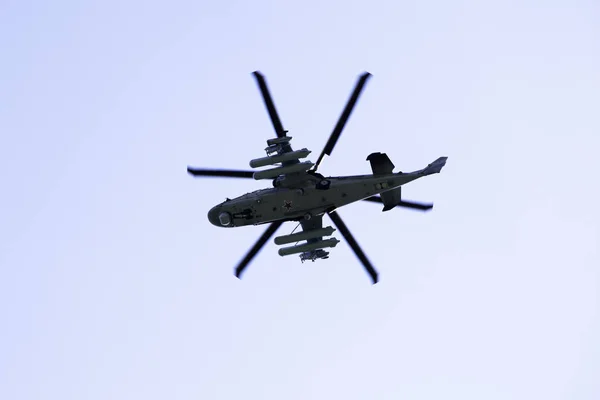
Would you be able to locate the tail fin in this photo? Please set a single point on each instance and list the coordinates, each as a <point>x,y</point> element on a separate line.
<point>393,198</point>
<point>380,163</point>
<point>435,167</point>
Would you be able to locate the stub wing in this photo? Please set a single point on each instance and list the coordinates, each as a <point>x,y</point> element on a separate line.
<point>312,234</point>
<point>283,158</point>
<point>315,224</point>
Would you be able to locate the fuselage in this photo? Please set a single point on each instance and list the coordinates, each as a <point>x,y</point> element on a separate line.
<point>309,198</point>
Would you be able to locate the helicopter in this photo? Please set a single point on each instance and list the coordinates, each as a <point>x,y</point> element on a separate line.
<point>300,194</point>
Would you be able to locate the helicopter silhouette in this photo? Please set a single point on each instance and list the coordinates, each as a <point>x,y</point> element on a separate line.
<point>299,193</point>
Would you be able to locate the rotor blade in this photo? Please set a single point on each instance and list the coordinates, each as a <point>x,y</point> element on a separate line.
<point>374,199</point>
<point>407,204</point>
<point>415,205</point>
<point>262,85</point>
<point>337,220</point>
<point>337,131</point>
<point>227,173</point>
<point>256,248</point>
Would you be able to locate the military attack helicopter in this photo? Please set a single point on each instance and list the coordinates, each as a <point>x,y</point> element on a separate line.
<point>303,195</point>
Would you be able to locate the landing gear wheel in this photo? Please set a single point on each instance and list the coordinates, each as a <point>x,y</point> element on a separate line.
<point>307,216</point>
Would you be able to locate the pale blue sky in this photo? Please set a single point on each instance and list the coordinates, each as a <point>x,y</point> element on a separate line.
<point>114,285</point>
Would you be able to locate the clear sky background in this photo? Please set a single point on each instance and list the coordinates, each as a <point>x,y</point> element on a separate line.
<point>113,285</point>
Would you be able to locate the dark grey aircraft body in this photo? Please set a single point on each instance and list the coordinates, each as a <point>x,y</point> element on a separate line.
<point>299,193</point>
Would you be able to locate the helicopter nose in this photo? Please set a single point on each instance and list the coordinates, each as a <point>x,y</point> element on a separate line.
<point>219,217</point>
<point>213,216</point>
